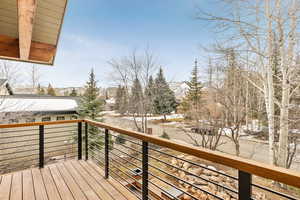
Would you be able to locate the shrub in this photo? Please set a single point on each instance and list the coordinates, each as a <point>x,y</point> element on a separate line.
<point>165,135</point>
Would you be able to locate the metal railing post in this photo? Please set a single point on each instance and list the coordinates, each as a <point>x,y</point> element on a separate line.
<point>106,146</point>
<point>41,145</point>
<point>79,140</point>
<point>145,171</point>
<point>245,189</point>
<point>86,141</point>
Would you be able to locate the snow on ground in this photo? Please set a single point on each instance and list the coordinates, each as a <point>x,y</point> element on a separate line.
<point>172,116</point>
<point>110,112</point>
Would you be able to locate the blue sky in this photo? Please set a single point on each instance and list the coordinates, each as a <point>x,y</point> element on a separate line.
<point>96,31</point>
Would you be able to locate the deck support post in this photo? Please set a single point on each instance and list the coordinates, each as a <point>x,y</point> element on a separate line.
<point>86,141</point>
<point>106,153</point>
<point>41,146</point>
<point>245,189</point>
<point>79,140</point>
<point>145,160</point>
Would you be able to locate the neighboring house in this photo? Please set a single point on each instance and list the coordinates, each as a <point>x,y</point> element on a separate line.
<point>22,108</point>
<point>5,88</point>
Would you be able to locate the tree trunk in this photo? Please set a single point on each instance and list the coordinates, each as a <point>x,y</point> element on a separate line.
<point>269,87</point>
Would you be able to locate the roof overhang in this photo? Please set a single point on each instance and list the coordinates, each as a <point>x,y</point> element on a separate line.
<point>30,29</point>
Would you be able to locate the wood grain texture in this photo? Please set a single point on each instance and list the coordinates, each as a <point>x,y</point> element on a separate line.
<point>62,187</point>
<point>16,186</point>
<point>5,187</point>
<point>40,123</point>
<point>111,181</point>
<point>39,52</point>
<point>39,188</point>
<point>85,187</point>
<point>95,181</point>
<point>68,180</point>
<point>28,190</point>
<point>26,15</point>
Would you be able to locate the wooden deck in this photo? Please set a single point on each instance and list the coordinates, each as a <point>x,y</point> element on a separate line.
<point>70,180</point>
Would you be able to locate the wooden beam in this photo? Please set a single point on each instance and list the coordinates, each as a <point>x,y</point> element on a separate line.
<point>26,14</point>
<point>39,52</point>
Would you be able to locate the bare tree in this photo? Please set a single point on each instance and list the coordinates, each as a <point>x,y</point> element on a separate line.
<point>34,76</point>
<point>125,72</point>
<point>259,27</point>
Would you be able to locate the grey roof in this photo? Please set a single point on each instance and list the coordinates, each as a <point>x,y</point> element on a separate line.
<point>2,81</point>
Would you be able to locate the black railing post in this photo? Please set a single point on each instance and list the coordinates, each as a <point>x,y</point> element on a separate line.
<point>145,171</point>
<point>86,141</point>
<point>106,149</point>
<point>41,146</point>
<point>79,140</point>
<point>245,189</point>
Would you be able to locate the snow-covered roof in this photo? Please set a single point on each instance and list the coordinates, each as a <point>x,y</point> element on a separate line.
<point>18,103</point>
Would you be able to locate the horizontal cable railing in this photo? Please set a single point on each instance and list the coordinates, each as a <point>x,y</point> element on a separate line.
<point>148,166</point>
<point>177,171</point>
<point>36,144</point>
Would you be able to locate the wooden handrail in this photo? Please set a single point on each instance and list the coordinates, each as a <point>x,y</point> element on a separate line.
<point>286,176</point>
<point>40,123</point>
<point>279,174</point>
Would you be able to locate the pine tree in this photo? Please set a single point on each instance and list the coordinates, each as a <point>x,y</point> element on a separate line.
<point>40,90</point>
<point>73,93</point>
<point>50,90</point>
<point>89,107</point>
<point>136,98</point>
<point>118,98</point>
<point>149,95</point>
<point>193,96</point>
<point>164,101</point>
<point>123,107</point>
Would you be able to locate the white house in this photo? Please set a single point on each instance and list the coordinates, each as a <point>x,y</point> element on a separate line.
<point>21,108</point>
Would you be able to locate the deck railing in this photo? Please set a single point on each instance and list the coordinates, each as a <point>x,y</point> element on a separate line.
<point>146,164</point>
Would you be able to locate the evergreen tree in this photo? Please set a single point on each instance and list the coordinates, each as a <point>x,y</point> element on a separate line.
<point>193,95</point>
<point>89,107</point>
<point>50,90</point>
<point>118,98</point>
<point>73,93</point>
<point>136,98</point>
<point>123,107</point>
<point>164,101</point>
<point>149,95</point>
<point>40,90</point>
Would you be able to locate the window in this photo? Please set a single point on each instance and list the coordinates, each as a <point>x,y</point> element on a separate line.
<point>28,120</point>
<point>74,117</point>
<point>12,121</point>
<point>60,118</point>
<point>46,119</point>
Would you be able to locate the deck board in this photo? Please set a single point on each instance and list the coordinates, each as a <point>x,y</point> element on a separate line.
<point>16,187</point>
<point>70,180</point>
<point>39,188</point>
<point>85,187</point>
<point>5,187</point>
<point>97,187</point>
<point>49,184</point>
